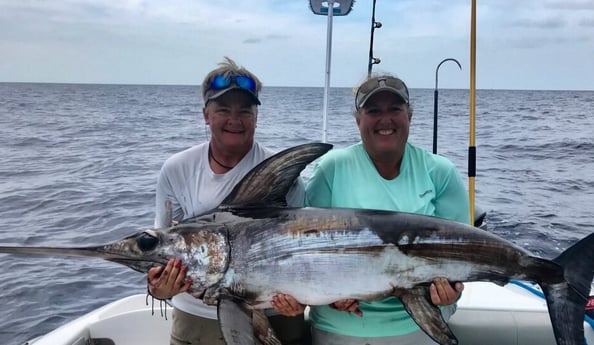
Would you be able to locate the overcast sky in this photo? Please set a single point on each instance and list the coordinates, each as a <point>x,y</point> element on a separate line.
<point>521,44</point>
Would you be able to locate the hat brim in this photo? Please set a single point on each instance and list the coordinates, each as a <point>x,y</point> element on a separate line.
<point>214,94</point>
<point>398,92</point>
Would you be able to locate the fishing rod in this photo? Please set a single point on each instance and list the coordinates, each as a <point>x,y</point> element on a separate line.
<point>471,144</point>
<point>374,25</point>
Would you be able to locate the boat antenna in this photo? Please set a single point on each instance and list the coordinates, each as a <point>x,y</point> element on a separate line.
<point>339,8</point>
<point>374,25</point>
<point>435,100</point>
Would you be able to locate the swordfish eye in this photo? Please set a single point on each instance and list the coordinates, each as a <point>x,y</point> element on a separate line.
<point>147,242</point>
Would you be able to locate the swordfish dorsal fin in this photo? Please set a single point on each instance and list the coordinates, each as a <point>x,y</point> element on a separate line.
<point>269,182</point>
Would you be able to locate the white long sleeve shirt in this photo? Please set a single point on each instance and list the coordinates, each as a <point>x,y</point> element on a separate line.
<point>187,187</point>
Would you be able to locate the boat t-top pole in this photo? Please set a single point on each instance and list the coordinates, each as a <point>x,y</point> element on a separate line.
<point>327,72</point>
<point>329,8</point>
<point>472,144</point>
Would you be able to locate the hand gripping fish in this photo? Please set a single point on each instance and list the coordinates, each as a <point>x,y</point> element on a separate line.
<point>253,247</point>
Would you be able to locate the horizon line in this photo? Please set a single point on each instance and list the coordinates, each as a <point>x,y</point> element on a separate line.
<point>278,86</point>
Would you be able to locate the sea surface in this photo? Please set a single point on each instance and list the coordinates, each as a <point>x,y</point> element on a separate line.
<point>79,166</point>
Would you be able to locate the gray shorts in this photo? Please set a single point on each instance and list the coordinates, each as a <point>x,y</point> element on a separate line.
<point>191,329</point>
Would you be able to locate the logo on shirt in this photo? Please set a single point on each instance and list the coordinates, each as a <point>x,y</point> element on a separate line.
<point>425,193</point>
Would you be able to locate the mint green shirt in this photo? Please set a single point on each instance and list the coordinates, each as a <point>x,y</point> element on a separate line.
<point>427,184</point>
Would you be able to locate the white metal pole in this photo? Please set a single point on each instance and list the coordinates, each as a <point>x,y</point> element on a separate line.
<point>328,59</point>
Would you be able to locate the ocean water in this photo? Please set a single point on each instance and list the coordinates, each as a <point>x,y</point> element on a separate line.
<point>79,165</point>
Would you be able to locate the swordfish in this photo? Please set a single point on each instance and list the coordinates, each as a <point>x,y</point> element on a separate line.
<point>253,247</point>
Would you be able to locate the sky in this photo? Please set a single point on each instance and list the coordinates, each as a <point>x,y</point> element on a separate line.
<point>521,44</point>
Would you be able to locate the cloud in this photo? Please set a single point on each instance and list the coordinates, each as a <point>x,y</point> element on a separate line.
<point>146,41</point>
<point>278,37</point>
<point>551,23</point>
<point>252,41</point>
<point>570,5</point>
<point>587,23</point>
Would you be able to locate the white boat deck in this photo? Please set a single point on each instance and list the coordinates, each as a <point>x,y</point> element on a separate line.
<point>126,321</point>
<point>487,314</point>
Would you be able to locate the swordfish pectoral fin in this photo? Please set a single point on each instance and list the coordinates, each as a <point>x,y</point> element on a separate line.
<point>241,325</point>
<point>262,329</point>
<point>235,320</point>
<point>427,315</point>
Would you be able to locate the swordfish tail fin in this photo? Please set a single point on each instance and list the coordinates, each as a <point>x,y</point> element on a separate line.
<point>567,300</point>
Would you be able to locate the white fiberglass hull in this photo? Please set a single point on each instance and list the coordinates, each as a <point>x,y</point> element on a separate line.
<point>487,314</point>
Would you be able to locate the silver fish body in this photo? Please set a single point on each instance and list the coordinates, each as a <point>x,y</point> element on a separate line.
<point>319,255</point>
<point>323,255</point>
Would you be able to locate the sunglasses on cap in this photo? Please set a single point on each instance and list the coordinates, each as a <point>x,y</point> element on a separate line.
<point>221,81</point>
<point>377,84</point>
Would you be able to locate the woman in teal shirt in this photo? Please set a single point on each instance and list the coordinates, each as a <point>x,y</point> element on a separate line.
<point>384,172</point>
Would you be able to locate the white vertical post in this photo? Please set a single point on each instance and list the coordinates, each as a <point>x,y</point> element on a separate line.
<point>327,74</point>
<point>326,8</point>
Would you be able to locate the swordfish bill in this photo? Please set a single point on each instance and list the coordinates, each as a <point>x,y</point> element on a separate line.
<point>253,247</point>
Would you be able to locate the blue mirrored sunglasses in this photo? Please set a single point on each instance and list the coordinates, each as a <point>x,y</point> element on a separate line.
<point>221,81</point>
